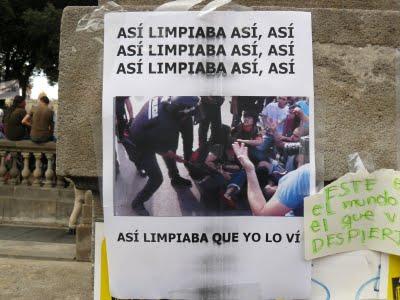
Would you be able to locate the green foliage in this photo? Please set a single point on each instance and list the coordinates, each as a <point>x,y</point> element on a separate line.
<point>29,38</point>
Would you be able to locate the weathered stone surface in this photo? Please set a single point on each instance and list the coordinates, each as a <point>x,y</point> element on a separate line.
<point>35,205</point>
<point>27,146</point>
<point>355,97</point>
<point>349,4</point>
<point>340,26</point>
<point>83,242</point>
<point>354,60</point>
<point>356,27</point>
<point>80,86</point>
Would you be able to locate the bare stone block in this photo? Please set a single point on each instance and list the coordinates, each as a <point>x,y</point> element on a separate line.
<point>355,99</point>
<point>83,242</point>
<point>29,205</point>
<point>80,86</point>
<point>66,195</point>
<point>63,209</point>
<point>44,210</point>
<point>12,209</point>
<point>35,193</point>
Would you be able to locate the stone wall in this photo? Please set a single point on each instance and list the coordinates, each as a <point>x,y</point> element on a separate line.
<point>347,4</point>
<point>355,58</point>
<point>35,205</point>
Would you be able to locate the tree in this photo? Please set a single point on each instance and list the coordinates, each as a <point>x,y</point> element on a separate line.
<point>29,38</point>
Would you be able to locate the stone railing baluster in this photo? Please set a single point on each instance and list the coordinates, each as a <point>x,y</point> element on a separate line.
<point>26,173</point>
<point>3,169</point>
<point>49,174</point>
<point>26,166</point>
<point>37,173</point>
<point>14,172</point>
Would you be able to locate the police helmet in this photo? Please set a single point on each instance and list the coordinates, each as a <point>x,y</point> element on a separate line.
<point>183,104</point>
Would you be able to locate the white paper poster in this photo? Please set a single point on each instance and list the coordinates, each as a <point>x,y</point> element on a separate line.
<point>208,153</point>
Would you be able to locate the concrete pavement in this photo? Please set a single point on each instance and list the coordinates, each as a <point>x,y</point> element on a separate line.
<point>44,279</point>
<point>38,263</point>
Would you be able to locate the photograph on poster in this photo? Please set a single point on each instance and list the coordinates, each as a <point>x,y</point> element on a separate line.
<point>211,155</point>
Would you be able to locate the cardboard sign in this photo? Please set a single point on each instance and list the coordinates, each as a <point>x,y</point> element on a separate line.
<point>358,211</point>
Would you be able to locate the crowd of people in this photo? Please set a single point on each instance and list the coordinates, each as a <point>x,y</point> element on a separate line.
<point>36,125</point>
<point>260,162</point>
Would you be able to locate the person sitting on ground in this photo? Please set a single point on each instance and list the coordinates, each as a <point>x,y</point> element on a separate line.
<point>280,140</point>
<point>289,195</point>
<point>247,132</point>
<point>221,157</point>
<point>296,125</point>
<point>268,172</point>
<point>14,129</point>
<point>41,121</point>
<point>219,164</point>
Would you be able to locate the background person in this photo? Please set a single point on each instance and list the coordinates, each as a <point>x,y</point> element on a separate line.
<point>252,104</point>
<point>14,128</point>
<point>124,115</point>
<point>275,113</point>
<point>210,108</point>
<point>41,121</point>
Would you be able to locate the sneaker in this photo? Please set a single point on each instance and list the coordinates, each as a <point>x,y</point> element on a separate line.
<point>138,207</point>
<point>180,181</point>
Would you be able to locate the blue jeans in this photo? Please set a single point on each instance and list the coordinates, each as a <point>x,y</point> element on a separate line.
<point>261,151</point>
<point>238,180</point>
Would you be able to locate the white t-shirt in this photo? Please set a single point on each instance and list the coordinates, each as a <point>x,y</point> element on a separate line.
<point>276,114</point>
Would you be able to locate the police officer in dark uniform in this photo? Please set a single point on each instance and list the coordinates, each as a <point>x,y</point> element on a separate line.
<point>211,110</point>
<point>253,104</point>
<point>155,130</point>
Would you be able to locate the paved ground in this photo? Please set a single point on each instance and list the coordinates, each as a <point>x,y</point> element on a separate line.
<point>44,279</point>
<point>38,263</point>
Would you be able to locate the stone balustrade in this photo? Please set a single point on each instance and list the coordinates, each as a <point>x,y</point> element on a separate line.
<point>30,190</point>
<point>21,162</point>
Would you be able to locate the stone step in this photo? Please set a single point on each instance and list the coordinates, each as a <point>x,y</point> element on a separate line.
<point>36,243</point>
